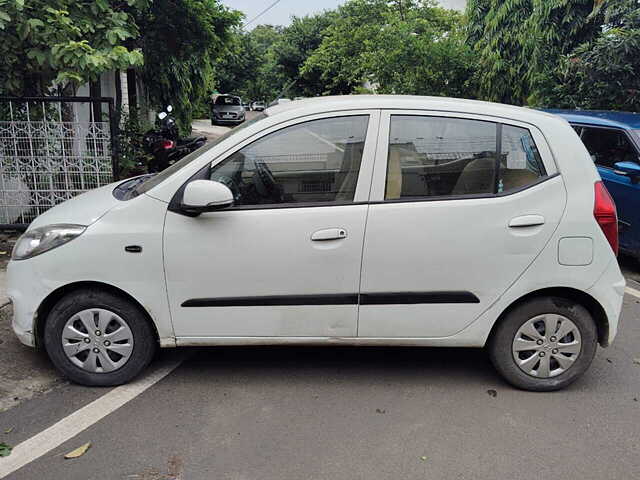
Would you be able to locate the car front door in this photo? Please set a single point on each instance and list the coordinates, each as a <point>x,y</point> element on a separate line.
<point>460,207</point>
<point>285,260</point>
<point>607,147</point>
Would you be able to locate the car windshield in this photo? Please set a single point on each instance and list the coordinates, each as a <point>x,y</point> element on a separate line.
<point>162,176</point>
<point>636,134</point>
<point>222,100</point>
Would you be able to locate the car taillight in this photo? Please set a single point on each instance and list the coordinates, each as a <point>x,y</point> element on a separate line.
<point>604,210</point>
<point>168,144</point>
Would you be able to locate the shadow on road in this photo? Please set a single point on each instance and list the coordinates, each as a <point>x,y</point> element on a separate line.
<point>410,364</point>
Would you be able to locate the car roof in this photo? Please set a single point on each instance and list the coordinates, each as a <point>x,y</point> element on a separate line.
<point>409,102</point>
<point>625,120</point>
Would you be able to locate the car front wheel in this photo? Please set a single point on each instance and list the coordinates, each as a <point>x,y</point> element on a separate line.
<point>544,344</point>
<point>98,338</point>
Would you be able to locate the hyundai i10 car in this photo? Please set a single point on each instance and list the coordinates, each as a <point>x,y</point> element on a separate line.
<point>356,220</point>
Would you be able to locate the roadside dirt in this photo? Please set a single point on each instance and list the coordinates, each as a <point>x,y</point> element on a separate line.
<point>24,372</point>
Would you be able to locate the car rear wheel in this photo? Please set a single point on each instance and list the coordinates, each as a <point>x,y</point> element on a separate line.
<point>544,344</point>
<point>97,338</point>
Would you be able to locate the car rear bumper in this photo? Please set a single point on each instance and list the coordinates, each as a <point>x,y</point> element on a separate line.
<point>609,292</point>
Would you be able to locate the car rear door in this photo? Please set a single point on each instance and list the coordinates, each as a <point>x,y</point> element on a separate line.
<point>460,207</point>
<point>285,260</point>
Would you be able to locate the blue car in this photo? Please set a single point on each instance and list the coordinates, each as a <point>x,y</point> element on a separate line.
<point>613,140</point>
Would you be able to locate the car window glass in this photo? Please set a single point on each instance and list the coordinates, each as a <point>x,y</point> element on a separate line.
<point>315,161</point>
<point>223,100</point>
<point>520,161</point>
<point>608,146</point>
<point>440,156</point>
<point>180,164</point>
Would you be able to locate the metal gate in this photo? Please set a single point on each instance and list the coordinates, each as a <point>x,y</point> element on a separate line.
<point>51,149</point>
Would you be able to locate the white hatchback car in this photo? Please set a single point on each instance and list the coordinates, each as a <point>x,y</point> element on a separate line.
<point>363,220</point>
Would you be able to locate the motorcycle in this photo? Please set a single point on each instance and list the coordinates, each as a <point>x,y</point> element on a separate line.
<point>165,144</point>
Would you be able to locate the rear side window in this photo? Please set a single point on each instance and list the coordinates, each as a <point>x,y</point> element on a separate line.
<point>608,146</point>
<point>440,156</point>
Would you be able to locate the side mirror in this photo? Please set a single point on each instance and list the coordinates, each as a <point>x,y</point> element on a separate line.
<point>629,169</point>
<point>169,108</point>
<point>205,196</point>
<point>162,115</point>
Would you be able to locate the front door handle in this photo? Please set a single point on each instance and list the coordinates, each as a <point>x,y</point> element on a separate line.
<point>526,221</point>
<point>329,234</point>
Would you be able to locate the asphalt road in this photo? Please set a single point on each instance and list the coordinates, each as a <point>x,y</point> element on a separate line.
<point>349,413</point>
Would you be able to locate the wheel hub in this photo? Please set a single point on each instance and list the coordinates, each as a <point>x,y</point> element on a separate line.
<point>97,340</point>
<point>546,345</point>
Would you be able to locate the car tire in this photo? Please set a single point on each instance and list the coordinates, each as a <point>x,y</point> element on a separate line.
<point>116,313</point>
<point>513,346</point>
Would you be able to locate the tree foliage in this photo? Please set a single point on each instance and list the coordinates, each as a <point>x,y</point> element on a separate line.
<point>178,39</point>
<point>64,42</point>
<point>519,43</point>
<point>259,64</point>
<point>247,67</point>
<point>298,41</point>
<point>604,73</point>
<point>408,47</point>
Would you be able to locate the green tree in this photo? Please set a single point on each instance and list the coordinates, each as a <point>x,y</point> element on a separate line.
<point>296,44</point>
<point>408,47</point>
<point>64,42</point>
<point>179,38</point>
<point>518,43</point>
<point>603,73</point>
<point>338,62</point>
<point>247,67</point>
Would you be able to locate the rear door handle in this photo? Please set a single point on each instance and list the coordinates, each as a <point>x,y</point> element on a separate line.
<point>526,221</point>
<point>329,234</point>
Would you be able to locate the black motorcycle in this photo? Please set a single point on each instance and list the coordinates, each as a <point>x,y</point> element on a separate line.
<point>165,144</point>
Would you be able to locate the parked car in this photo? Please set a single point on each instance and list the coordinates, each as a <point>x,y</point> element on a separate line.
<point>258,106</point>
<point>613,141</point>
<point>226,110</point>
<point>357,220</point>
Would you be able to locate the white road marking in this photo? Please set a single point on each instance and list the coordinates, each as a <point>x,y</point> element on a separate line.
<point>67,428</point>
<point>632,291</point>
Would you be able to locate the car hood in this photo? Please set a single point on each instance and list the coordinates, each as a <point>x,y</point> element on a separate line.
<point>84,209</point>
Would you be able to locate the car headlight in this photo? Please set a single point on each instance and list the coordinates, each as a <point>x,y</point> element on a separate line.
<point>42,239</point>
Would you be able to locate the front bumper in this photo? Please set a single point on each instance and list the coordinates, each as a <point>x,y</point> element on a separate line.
<point>26,292</point>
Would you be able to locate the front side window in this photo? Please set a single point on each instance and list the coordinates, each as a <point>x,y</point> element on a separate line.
<point>440,156</point>
<point>608,146</point>
<point>312,162</point>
